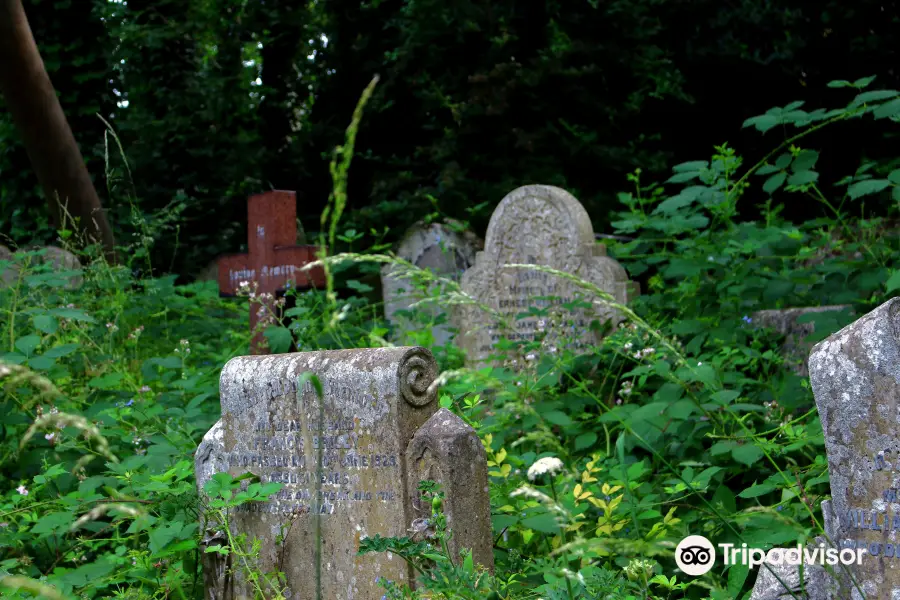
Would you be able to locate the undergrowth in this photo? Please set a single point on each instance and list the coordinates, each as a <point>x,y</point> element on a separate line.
<point>685,419</point>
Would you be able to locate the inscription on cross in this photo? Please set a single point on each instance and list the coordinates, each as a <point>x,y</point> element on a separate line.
<point>273,260</point>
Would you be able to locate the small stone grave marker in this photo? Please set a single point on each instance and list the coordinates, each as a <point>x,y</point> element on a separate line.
<point>855,377</point>
<point>379,431</point>
<point>796,326</point>
<point>540,225</point>
<point>439,248</point>
<point>274,261</point>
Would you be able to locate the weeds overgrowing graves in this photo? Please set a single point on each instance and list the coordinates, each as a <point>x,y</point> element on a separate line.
<point>683,421</point>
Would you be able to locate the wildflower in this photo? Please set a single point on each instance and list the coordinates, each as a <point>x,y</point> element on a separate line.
<point>130,402</point>
<point>746,319</point>
<point>779,508</point>
<point>638,355</point>
<point>50,437</point>
<point>628,345</point>
<point>618,401</point>
<point>531,356</point>
<point>699,364</point>
<point>648,351</point>
<point>22,490</point>
<point>53,410</point>
<point>70,306</point>
<point>4,524</point>
<point>112,327</point>
<point>136,333</point>
<point>548,464</point>
<point>144,389</point>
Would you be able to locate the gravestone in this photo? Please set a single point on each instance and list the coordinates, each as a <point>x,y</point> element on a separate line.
<point>273,261</point>
<point>439,248</point>
<point>58,259</point>
<point>855,377</point>
<point>796,327</point>
<point>540,225</point>
<point>378,429</point>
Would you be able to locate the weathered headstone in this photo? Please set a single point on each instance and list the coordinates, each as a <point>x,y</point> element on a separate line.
<point>273,260</point>
<point>439,248</point>
<point>796,326</point>
<point>855,376</point>
<point>59,260</point>
<point>378,429</point>
<point>540,225</point>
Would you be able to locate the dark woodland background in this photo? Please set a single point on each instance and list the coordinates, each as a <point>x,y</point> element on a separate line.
<point>216,99</point>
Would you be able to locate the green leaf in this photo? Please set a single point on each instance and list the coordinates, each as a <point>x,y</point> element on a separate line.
<point>839,83</point>
<point>500,522</point>
<point>41,363</point>
<point>55,522</point>
<point>60,351</point>
<point>894,176</point>
<point>803,178</point>
<point>805,161</point>
<point>893,282</point>
<point>109,382</point>
<point>784,160</point>
<point>762,123</point>
<point>869,186</point>
<point>161,536</point>
<point>681,409</point>
<point>26,344</point>
<point>737,575</point>
<point>45,323</point>
<point>874,95</point>
<point>774,182</point>
<point>756,490</point>
<point>585,440</point>
<point>557,417</point>
<point>747,454</point>
<point>544,522</point>
<point>724,397</point>
<point>694,165</point>
<point>864,82</point>
<point>888,109</point>
<point>73,314</point>
<point>279,339</point>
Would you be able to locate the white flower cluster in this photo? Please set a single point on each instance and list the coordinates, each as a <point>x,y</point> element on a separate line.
<point>548,464</point>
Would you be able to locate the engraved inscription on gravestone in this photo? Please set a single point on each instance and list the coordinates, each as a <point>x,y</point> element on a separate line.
<point>374,401</point>
<point>540,225</point>
<point>855,376</point>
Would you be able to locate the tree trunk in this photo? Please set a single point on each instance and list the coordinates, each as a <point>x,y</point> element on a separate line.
<point>48,139</point>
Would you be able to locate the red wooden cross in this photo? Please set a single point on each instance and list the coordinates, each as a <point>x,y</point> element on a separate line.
<point>273,258</point>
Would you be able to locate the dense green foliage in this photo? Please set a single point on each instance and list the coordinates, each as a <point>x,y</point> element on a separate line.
<point>226,97</point>
<point>686,419</point>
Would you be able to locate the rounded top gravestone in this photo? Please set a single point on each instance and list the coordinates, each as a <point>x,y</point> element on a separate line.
<point>547,226</point>
<point>444,249</point>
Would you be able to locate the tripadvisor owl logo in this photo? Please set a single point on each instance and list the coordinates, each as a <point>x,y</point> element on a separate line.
<point>695,555</point>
